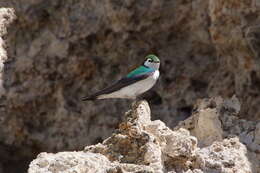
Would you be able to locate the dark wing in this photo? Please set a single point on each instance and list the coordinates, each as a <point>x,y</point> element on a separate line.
<point>118,85</point>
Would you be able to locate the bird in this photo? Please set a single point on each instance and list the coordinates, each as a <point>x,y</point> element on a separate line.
<point>133,84</point>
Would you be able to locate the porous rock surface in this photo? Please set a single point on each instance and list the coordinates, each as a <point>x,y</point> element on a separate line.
<point>216,119</point>
<point>59,51</point>
<point>141,145</point>
<point>6,17</point>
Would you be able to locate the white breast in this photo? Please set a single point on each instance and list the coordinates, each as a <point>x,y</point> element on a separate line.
<point>135,89</point>
<point>156,74</point>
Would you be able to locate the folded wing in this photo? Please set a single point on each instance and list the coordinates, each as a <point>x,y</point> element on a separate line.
<point>133,77</point>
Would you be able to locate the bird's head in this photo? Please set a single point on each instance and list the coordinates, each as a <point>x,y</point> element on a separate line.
<point>152,61</point>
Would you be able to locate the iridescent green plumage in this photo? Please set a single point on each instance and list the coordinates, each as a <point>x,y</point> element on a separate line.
<point>153,58</point>
<point>140,70</point>
<point>144,69</point>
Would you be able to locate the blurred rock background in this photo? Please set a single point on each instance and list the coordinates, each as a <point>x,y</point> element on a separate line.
<point>59,51</point>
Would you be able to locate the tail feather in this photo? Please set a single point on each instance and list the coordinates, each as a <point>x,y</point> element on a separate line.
<point>88,98</point>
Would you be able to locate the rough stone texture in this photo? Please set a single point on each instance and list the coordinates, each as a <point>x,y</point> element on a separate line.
<point>257,134</point>
<point>227,125</point>
<point>69,162</point>
<point>235,32</point>
<point>142,145</point>
<point>226,156</point>
<point>61,50</point>
<point>6,17</point>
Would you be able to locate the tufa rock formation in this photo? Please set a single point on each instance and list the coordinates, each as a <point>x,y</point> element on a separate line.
<point>56,51</point>
<point>216,119</point>
<point>145,146</point>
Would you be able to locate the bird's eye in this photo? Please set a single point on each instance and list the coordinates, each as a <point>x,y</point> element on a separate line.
<point>150,60</point>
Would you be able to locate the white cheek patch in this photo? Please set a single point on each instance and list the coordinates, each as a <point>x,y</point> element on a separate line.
<point>147,63</point>
<point>152,65</point>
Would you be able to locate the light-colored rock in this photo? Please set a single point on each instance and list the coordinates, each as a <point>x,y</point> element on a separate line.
<point>226,156</point>
<point>6,18</point>
<point>207,127</point>
<point>220,119</point>
<point>59,51</point>
<point>69,162</point>
<point>173,143</point>
<point>152,148</point>
<point>80,162</point>
<point>204,123</point>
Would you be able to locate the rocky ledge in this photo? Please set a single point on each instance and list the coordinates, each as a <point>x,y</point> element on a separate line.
<point>212,140</point>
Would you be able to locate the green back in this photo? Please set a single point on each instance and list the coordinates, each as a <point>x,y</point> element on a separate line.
<point>140,70</point>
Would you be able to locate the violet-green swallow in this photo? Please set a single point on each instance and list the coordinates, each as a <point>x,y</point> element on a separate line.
<point>135,83</point>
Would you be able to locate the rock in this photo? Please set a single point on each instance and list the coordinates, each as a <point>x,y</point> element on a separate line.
<point>142,145</point>
<point>208,127</point>
<point>235,33</point>
<point>58,51</point>
<point>204,123</point>
<point>6,17</point>
<point>223,123</point>
<point>69,162</point>
<point>257,134</point>
<point>223,156</point>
